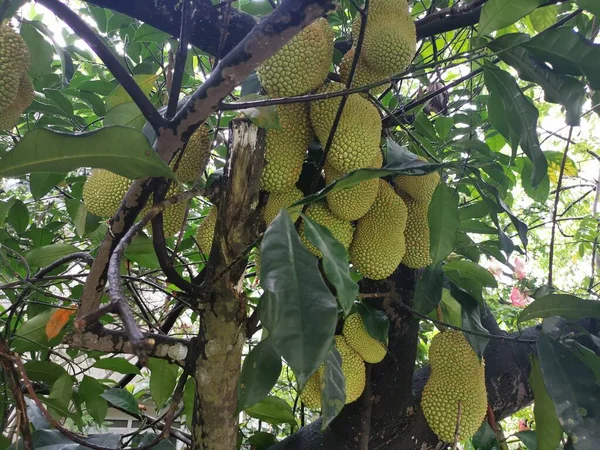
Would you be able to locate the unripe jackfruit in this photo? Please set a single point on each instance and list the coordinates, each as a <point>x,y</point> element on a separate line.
<point>418,187</point>
<point>206,231</point>
<point>353,368</point>
<point>357,337</point>
<point>195,156</point>
<point>173,215</point>
<point>286,148</point>
<point>311,394</point>
<point>14,62</point>
<point>378,245</point>
<point>279,200</point>
<point>363,74</point>
<point>457,374</point>
<point>353,202</point>
<point>342,230</point>
<point>390,37</point>
<point>10,116</point>
<point>416,234</point>
<point>358,134</point>
<point>103,192</point>
<point>302,64</point>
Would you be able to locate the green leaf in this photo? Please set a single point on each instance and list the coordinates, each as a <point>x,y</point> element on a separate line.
<point>41,183</point>
<point>62,389</point>
<point>568,52</point>
<point>469,269</point>
<point>18,216</point>
<point>470,318</point>
<point>163,378</point>
<point>262,440</point>
<point>529,438</point>
<point>563,89</point>
<point>260,372</point>
<point>574,390</point>
<point>120,96</point>
<point>5,208</point>
<point>127,115</point>
<point>443,223</point>
<point>298,308</point>
<point>90,391</point>
<point>123,399</point>
<point>46,255</point>
<point>147,33</point>
<point>335,262</point>
<point>541,192</point>
<point>120,365</point>
<point>189,394</point>
<point>333,388</point>
<point>563,305</point>
<point>264,116</point>
<point>548,428</point>
<point>428,292</point>
<point>497,14</point>
<point>591,5</point>
<point>122,150</point>
<point>376,322</point>
<point>141,251</point>
<point>273,410</point>
<point>44,371</point>
<point>31,336</point>
<point>40,51</point>
<point>543,18</point>
<point>520,116</point>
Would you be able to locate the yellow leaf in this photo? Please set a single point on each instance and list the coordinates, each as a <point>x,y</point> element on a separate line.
<point>57,322</point>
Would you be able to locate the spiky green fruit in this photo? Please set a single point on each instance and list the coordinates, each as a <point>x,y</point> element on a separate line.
<point>342,230</point>
<point>378,245</point>
<point>418,187</point>
<point>14,62</point>
<point>358,134</point>
<point>353,202</point>
<point>206,231</point>
<point>286,148</point>
<point>353,368</point>
<point>279,200</point>
<point>173,215</point>
<point>302,64</point>
<point>311,394</point>
<point>10,116</point>
<point>195,156</point>
<point>363,74</point>
<point>357,337</point>
<point>416,234</point>
<point>103,192</point>
<point>457,375</point>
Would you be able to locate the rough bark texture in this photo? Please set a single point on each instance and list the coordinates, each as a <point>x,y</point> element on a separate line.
<point>222,332</point>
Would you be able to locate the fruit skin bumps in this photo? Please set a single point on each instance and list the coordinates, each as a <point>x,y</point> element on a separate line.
<point>206,231</point>
<point>302,64</point>
<point>359,339</point>
<point>103,192</point>
<point>14,62</point>
<point>379,245</point>
<point>195,156</point>
<point>9,117</point>
<point>279,200</point>
<point>286,148</point>
<point>311,394</point>
<point>342,230</point>
<point>418,187</point>
<point>353,368</point>
<point>457,374</point>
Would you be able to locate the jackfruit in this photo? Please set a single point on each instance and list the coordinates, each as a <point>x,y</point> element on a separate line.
<point>286,147</point>
<point>279,200</point>
<point>353,368</point>
<point>378,245</point>
<point>457,374</point>
<point>10,116</point>
<point>418,187</point>
<point>390,37</point>
<point>14,62</point>
<point>353,202</point>
<point>363,74</point>
<point>195,156</point>
<point>173,215</point>
<point>302,64</point>
<point>103,192</point>
<point>357,137</point>
<point>206,231</point>
<point>311,394</point>
<point>357,337</point>
<point>342,230</point>
<point>416,234</point>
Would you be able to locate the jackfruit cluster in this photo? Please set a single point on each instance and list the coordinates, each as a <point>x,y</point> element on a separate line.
<point>302,64</point>
<point>206,231</point>
<point>358,134</point>
<point>16,90</point>
<point>342,230</point>
<point>363,74</point>
<point>457,375</point>
<point>353,202</point>
<point>195,156</point>
<point>279,200</point>
<point>358,338</point>
<point>286,148</point>
<point>379,245</point>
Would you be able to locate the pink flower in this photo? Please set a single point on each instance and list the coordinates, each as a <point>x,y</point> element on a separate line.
<point>519,298</point>
<point>519,269</point>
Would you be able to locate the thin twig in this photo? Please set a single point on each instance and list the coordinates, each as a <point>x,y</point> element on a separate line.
<point>457,429</point>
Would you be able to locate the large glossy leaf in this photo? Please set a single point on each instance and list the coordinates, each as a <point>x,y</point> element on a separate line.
<point>470,313</point>
<point>428,292</point>
<point>44,371</point>
<point>31,335</point>
<point>574,390</point>
<point>443,223</point>
<point>563,89</point>
<point>519,115</point>
<point>469,269</point>
<point>18,216</point>
<point>41,183</point>
<point>260,372</point>
<point>90,391</point>
<point>62,389</point>
<point>298,308</point>
<point>335,262</point>
<point>273,410</point>
<point>376,322</point>
<point>333,387</point>
<point>123,399</point>
<point>120,96</point>
<point>591,5</point>
<point>121,150</point>
<point>163,378</point>
<point>498,14</point>
<point>563,305</point>
<point>547,426</point>
<point>43,256</point>
<point>119,365</point>
<point>569,53</point>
